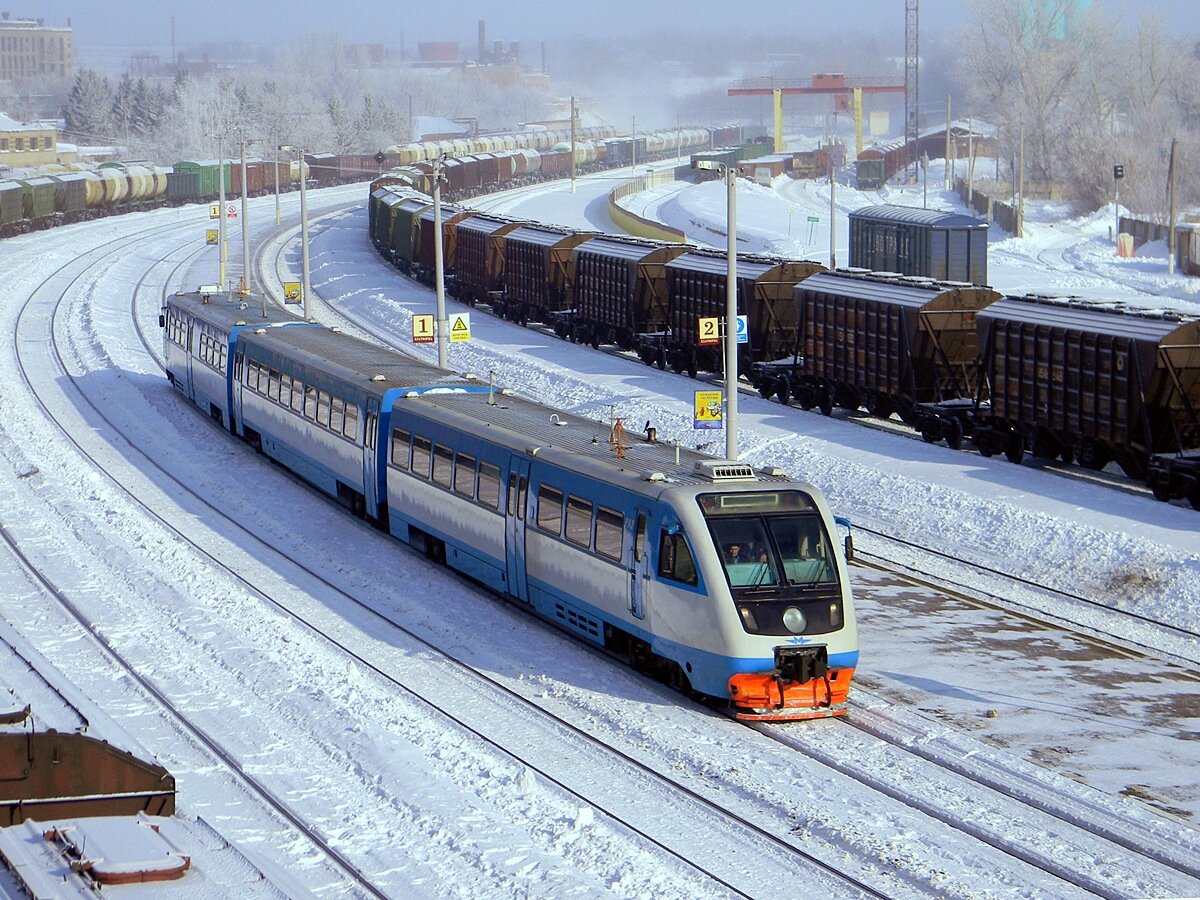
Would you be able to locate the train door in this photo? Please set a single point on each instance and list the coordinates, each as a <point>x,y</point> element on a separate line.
<point>639,565</point>
<point>371,457</point>
<point>514,528</point>
<point>189,358</point>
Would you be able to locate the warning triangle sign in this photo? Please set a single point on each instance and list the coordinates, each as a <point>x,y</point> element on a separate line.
<point>460,327</point>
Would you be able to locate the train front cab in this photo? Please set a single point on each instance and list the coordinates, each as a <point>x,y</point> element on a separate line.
<point>789,643</point>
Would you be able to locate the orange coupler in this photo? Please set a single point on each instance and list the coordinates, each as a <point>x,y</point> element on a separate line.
<point>801,687</point>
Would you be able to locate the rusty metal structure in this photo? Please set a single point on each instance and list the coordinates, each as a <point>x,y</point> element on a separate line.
<point>50,775</point>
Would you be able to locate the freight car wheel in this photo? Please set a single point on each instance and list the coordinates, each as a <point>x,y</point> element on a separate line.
<point>1014,448</point>
<point>827,403</point>
<point>1194,498</point>
<point>766,387</point>
<point>954,434</point>
<point>784,393</point>
<point>660,359</point>
<point>928,435</point>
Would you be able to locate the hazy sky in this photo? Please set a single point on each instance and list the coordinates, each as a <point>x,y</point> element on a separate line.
<point>146,24</point>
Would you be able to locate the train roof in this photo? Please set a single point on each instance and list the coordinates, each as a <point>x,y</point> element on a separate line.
<point>486,223</point>
<point>911,215</point>
<point>584,445</point>
<point>228,312</point>
<point>1093,317</point>
<point>884,287</point>
<point>542,235</point>
<point>621,248</point>
<point>747,269</point>
<point>374,369</point>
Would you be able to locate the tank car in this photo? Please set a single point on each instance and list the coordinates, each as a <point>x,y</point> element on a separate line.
<point>718,577</point>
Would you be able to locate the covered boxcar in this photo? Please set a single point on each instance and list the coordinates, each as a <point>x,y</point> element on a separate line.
<point>538,270</point>
<point>424,259</point>
<point>889,343</point>
<point>619,291</point>
<point>479,255</point>
<point>926,242</point>
<point>696,290</point>
<point>1094,382</point>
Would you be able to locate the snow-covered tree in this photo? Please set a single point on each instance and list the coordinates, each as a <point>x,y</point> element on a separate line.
<point>88,109</point>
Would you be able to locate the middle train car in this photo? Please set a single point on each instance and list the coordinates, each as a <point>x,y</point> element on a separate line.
<point>718,577</point>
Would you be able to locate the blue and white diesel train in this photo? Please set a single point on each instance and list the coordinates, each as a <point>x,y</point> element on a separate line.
<point>715,576</point>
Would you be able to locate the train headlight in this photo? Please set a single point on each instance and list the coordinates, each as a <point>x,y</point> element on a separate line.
<point>793,620</point>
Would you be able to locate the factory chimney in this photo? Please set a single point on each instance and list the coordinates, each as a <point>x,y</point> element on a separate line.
<point>482,42</point>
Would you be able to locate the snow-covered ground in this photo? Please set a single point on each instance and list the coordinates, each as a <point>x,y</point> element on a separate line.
<point>452,818</point>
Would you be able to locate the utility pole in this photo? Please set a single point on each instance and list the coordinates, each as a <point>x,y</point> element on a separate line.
<point>1021,182</point>
<point>305,289</point>
<point>572,145</point>
<point>221,201</point>
<point>731,321</point>
<point>1171,211</point>
<point>439,276</point>
<point>949,175</point>
<point>832,216</point>
<point>245,286</point>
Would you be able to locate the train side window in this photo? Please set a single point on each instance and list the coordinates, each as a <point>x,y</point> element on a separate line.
<point>252,375</point>
<point>337,415</point>
<point>422,450</point>
<point>610,533</point>
<point>400,449</point>
<point>310,403</point>
<point>285,390</point>
<point>223,359</point>
<point>579,521</point>
<point>323,408</point>
<point>350,426</point>
<point>273,385</point>
<point>464,475</point>
<point>511,509</point>
<point>369,431</point>
<point>443,465</point>
<point>675,559</point>
<point>549,510</point>
<point>639,538</point>
<point>298,395</point>
<point>522,490</point>
<point>489,484</point>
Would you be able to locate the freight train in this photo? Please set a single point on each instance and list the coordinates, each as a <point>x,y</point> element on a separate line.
<point>67,194</point>
<point>718,577</point>
<point>1052,377</point>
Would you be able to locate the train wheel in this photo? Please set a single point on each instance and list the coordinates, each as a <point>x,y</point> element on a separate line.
<point>1161,491</point>
<point>954,434</point>
<point>1014,448</point>
<point>827,403</point>
<point>879,406</point>
<point>785,392</point>
<point>660,360</point>
<point>928,434</point>
<point>766,387</point>
<point>1194,497</point>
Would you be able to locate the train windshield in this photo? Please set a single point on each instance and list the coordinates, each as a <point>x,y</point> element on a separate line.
<point>772,542</point>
